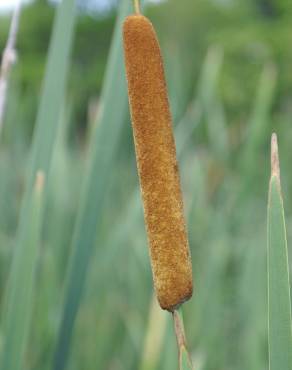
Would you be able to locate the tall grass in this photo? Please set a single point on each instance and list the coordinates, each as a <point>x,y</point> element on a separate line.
<point>20,288</point>
<point>280,329</point>
<point>102,150</point>
<point>20,291</point>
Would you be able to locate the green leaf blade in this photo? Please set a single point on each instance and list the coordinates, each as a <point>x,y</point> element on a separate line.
<point>102,150</point>
<point>280,335</point>
<point>17,315</point>
<point>19,301</point>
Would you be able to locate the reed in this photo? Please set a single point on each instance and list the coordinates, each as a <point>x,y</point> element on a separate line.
<point>158,170</point>
<point>90,212</point>
<point>280,334</point>
<point>20,291</point>
<point>157,164</point>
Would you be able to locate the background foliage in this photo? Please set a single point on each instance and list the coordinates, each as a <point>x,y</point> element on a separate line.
<point>228,72</point>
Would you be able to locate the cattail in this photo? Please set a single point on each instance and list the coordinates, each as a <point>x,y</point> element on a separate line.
<point>157,164</point>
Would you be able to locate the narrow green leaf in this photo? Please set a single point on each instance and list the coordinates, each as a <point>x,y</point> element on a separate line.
<point>280,336</point>
<point>154,336</point>
<point>169,355</point>
<point>50,104</point>
<point>20,289</point>
<point>53,91</point>
<point>103,147</point>
<point>19,293</point>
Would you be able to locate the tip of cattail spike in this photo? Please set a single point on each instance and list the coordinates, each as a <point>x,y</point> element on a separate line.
<point>137,6</point>
<point>275,166</point>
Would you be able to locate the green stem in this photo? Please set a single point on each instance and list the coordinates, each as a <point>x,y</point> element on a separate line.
<point>137,6</point>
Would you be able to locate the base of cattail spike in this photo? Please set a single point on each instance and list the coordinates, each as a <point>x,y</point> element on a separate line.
<point>185,362</point>
<point>177,306</point>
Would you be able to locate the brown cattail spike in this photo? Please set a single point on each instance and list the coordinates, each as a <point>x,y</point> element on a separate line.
<point>157,165</point>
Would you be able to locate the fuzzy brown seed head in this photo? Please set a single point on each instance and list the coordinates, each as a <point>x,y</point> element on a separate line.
<point>157,164</point>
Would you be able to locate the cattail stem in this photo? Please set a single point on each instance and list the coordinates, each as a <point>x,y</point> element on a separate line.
<point>137,6</point>
<point>9,56</point>
<point>179,328</point>
<point>185,362</point>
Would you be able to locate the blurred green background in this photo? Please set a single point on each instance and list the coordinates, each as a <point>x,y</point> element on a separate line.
<point>228,69</point>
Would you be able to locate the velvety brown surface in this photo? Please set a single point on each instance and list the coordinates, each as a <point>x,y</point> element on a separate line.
<point>157,165</point>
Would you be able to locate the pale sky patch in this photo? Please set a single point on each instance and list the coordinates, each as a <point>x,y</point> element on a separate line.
<point>8,5</point>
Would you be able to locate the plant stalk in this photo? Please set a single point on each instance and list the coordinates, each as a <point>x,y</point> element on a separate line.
<point>185,362</point>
